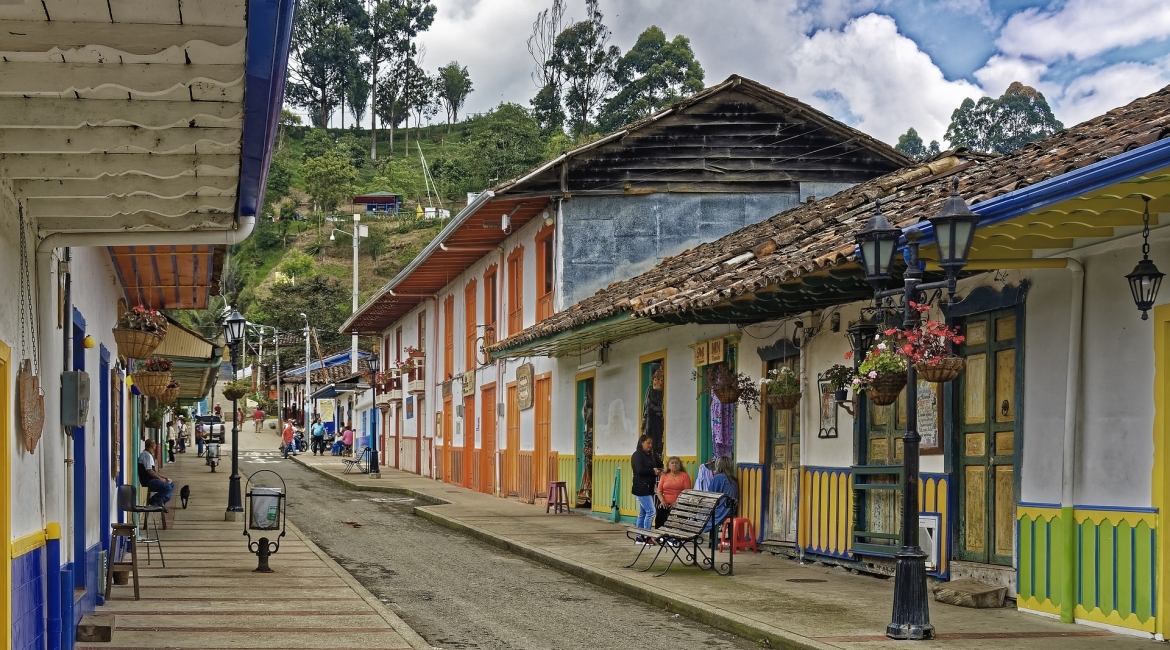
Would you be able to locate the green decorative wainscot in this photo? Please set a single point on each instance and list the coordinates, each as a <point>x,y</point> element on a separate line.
<point>1110,558</point>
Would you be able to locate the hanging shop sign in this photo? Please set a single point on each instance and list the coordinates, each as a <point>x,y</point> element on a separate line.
<point>524,386</point>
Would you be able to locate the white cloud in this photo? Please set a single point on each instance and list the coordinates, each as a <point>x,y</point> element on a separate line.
<point>1091,95</point>
<point>1083,28</point>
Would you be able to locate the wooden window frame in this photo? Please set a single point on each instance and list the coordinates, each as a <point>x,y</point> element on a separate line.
<point>545,276</point>
<point>448,337</point>
<point>469,325</point>
<point>421,339</point>
<point>491,303</point>
<point>516,291</point>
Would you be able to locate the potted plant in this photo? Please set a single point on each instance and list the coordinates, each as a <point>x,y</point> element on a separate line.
<point>153,418</point>
<point>237,389</point>
<point>730,387</point>
<point>839,377</point>
<point>882,375</point>
<point>153,377</point>
<point>171,394</point>
<point>930,346</point>
<point>413,352</point>
<point>782,388</point>
<point>139,332</point>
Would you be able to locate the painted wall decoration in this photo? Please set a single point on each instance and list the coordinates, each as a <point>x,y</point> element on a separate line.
<point>410,408</point>
<point>828,412</point>
<point>524,386</point>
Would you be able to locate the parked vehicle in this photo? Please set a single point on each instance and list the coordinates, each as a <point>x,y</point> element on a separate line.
<point>213,424</point>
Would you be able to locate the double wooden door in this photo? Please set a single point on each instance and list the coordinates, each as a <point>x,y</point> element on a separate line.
<point>782,431</point>
<point>487,417</point>
<point>986,428</point>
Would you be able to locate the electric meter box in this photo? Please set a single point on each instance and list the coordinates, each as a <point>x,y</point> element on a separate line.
<point>74,398</point>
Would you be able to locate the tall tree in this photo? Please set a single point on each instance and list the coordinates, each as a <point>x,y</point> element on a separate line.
<point>321,297</point>
<point>502,144</point>
<point>389,41</point>
<point>1019,116</point>
<point>454,87</point>
<point>323,49</point>
<point>329,179</point>
<point>357,91</point>
<point>546,75</point>
<point>586,66</point>
<point>910,143</point>
<point>652,75</point>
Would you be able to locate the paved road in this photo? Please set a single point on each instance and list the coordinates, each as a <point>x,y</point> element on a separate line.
<point>461,593</point>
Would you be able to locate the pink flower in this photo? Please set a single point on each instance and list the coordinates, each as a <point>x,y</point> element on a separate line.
<point>856,381</point>
<point>881,346</point>
<point>872,374</point>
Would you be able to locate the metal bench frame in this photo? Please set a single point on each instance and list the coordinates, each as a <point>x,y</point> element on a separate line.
<point>682,533</point>
<point>361,461</point>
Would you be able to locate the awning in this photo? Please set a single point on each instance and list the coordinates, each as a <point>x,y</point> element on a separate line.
<point>195,360</point>
<point>333,391</point>
<point>585,338</point>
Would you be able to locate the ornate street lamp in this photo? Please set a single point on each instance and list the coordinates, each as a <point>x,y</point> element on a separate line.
<point>1146,279</point>
<point>954,229</point>
<point>374,364</point>
<point>233,333</point>
<point>861,336</point>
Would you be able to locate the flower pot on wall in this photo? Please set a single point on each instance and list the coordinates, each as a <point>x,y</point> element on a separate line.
<point>885,388</point>
<point>841,395</point>
<point>784,402</point>
<point>939,371</point>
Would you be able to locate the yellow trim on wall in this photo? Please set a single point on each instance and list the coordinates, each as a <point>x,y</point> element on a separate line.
<point>1113,618</point>
<point>1160,499</point>
<point>53,530</point>
<point>28,543</point>
<point>1032,604</point>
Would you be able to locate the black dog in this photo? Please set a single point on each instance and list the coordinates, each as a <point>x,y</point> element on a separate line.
<point>184,494</point>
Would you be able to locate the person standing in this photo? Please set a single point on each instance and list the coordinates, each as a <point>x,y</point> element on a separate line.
<point>171,441</point>
<point>181,434</point>
<point>199,438</point>
<point>671,484</point>
<point>287,438</point>
<point>258,418</point>
<point>219,411</point>
<point>158,486</point>
<point>318,437</point>
<point>647,467</point>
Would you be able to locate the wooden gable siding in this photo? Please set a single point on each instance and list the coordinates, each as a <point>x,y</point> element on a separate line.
<point>731,142</point>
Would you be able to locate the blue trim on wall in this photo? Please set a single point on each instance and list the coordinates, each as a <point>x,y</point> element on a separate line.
<point>269,34</point>
<point>1037,504</point>
<point>27,601</point>
<point>53,570</point>
<point>78,319</point>
<point>1114,508</point>
<point>79,465</point>
<point>105,482</point>
<point>104,352</point>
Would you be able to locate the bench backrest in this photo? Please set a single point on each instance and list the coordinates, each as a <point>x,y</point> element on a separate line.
<point>693,511</point>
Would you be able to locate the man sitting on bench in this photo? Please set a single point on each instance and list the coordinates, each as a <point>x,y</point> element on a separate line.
<point>158,487</point>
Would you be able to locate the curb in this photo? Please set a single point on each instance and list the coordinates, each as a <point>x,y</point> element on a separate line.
<point>695,610</point>
<point>397,624</point>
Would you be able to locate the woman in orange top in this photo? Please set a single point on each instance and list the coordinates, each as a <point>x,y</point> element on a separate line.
<point>672,482</point>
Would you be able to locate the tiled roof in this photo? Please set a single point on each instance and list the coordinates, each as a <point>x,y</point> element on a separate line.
<point>817,236</point>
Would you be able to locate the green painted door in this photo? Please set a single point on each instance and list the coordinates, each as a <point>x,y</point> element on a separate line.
<point>584,439</point>
<point>987,438</point>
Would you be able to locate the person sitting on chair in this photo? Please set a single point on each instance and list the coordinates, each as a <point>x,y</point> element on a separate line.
<point>158,486</point>
<point>347,441</point>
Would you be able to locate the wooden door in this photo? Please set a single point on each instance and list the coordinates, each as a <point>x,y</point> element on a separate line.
<point>542,402</point>
<point>468,441</point>
<point>782,448</point>
<point>512,454</point>
<point>584,487</point>
<point>987,438</point>
<point>398,437</point>
<point>487,445</point>
<point>448,438</point>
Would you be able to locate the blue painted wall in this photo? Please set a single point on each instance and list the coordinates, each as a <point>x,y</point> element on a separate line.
<point>28,601</point>
<point>605,239</point>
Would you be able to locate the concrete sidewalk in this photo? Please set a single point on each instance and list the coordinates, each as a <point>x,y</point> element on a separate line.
<point>770,599</point>
<point>208,597</point>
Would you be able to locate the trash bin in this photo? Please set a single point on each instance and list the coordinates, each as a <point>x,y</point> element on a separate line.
<point>265,508</point>
<point>213,450</point>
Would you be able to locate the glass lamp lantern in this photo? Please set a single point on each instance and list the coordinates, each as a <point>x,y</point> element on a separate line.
<point>954,230</point>
<point>876,244</point>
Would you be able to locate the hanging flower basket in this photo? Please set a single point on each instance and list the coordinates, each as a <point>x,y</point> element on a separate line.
<point>727,394</point>
<point>151,383</point>
<point>171,394</point>
<point>940,371</point>
<point>784,402</point>
<point>884,389</point>
<point>136,344</point>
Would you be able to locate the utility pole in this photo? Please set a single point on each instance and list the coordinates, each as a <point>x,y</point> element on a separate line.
<point>308,377</point>
<point>359,231</point>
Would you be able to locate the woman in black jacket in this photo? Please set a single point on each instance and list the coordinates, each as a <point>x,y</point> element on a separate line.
<point>647,466</point>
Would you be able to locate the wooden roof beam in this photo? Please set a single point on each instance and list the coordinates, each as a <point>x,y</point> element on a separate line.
<point>120,139</point>
<point>53,112</point>
<point>139,221</point>
<point>130,38</point>
<point>106,186</point>
<point>96,165</point>
<point>24,79</point>
<point>110,206</point>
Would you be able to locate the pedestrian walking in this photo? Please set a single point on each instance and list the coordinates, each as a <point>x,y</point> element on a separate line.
<point>219,411</point>
<point>181,434</point>
<point>646,469</point>
<point>287,435</point>
<point>199,441</point>
<point>318,437</point>
<point>258,418</point>
<point>171,441</point>
<point>240,417</point>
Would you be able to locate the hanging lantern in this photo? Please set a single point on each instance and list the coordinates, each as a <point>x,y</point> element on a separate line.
<point>954,230</point>
<point>876,245</point>
<point>1145,279</point>
<point>861,336</point>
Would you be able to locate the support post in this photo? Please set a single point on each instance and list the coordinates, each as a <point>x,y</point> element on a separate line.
<point>235,507</point>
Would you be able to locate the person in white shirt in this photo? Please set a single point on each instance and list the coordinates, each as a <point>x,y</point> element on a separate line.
<point>159,486</point>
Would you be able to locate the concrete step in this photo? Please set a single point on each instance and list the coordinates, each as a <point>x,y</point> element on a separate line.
<point>970,593</point>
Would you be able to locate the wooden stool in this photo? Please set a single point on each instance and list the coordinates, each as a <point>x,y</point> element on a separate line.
<point>558,497</point>
<point>123,534</point>
<point>742,535</point>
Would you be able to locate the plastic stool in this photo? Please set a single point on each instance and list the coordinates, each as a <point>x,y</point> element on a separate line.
<point>124,536</point>
<point>558,497</point>
<point>743,535</point>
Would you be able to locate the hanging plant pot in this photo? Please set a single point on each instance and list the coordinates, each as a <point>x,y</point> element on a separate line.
<point>942,370</point>
<point>727,395</point>
<point>841,395</point>
<point>152,384</point>
<point>884,389</point>
<point>784,402</point>
<point>233,393</point>
<point>152,424</point>
<point>171,394</point>
<point>136,344</point>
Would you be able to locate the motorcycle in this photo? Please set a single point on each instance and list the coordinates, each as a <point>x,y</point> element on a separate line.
<point>299,441</point>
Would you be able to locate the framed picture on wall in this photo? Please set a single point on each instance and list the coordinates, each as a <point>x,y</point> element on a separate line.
<point>930,421</point>
<point>715,351</point>
<point>700,354</point>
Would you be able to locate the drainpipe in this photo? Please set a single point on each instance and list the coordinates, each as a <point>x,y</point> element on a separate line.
<point>501,389</point>
<point>1071,413</point>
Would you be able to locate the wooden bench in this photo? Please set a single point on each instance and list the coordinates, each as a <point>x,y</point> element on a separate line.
<point>361,462</point>
<point>682,533</point>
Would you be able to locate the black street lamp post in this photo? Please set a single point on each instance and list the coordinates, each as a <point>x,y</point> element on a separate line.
<point>374,365</point>
<point>233,333</point>
<point>954,229</point>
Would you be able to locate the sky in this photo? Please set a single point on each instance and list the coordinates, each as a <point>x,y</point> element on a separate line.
<point>881,66</point>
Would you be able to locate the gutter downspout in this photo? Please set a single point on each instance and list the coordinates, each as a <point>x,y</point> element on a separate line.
<point>1069,457</point>
<point>501,389</point>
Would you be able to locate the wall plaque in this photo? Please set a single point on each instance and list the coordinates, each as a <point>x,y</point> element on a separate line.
<point>715,351</point>
<point>524,386</point>
<point>469,383</point>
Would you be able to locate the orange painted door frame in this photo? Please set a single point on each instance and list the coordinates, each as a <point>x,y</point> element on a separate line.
<point>542,402</point>
<point>468,440</point>
<point>448,433</point>
<point>487,435</point>
<point>512,424</point>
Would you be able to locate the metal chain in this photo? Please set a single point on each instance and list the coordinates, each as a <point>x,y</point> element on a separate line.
<point>27,318</point>
<point>1146,229</point>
